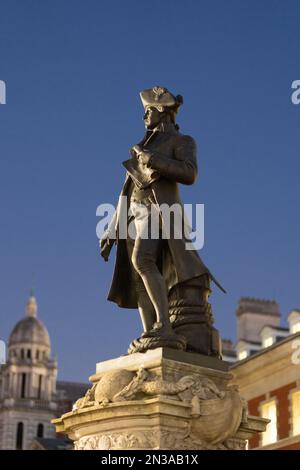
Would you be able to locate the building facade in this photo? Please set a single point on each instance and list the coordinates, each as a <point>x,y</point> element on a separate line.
<point>266,367</point>
<point>30,396</point>
<point>27,384</point>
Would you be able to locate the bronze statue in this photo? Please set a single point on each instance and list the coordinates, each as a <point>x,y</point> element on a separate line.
<point>169,284</point>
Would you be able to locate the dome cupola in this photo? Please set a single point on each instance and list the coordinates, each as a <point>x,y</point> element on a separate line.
<point>30,330</point>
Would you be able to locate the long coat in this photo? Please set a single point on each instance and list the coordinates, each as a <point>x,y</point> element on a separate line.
<point>175,158</point>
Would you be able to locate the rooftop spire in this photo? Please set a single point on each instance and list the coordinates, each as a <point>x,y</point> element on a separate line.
<point>31,306</point>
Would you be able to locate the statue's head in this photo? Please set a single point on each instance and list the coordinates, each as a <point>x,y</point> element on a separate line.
<point>160,106</point>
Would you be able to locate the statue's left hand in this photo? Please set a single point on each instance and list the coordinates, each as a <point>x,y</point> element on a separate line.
<point>143,155</point>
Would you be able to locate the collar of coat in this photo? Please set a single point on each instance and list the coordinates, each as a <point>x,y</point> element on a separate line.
<point>162,128</point>
<point>166,128</point>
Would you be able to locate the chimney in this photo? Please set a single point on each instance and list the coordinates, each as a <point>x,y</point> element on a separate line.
<point>252,315</point>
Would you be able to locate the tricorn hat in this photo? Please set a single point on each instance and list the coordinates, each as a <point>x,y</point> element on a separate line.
<point>160,98</point>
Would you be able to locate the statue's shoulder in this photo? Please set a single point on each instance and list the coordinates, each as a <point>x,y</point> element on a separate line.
<point>185,140</point>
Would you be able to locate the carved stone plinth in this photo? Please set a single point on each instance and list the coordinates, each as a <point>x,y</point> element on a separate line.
<point>162,399</point>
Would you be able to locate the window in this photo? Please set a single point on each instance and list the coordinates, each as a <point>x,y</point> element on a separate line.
<point>268,342</point>
<point>40,430</point>
<point>22,353</point>
<point>242,355</point>
<point>19,438</point>
<point>296,413</point>
<point>40,387</point>
<point>295,328</point>
<point>23,385</point>
<point>29,353</point>
<point>269,411</point>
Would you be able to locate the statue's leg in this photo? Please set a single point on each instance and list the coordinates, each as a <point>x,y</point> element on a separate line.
<point>144,259</point>
<point>145,306</point>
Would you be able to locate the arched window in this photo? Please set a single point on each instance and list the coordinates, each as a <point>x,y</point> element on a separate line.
<point>29,353</point>
<point>19,438</point>
<point>40,430</point>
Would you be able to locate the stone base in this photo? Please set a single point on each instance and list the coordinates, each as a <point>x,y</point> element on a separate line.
<point>162,399</point>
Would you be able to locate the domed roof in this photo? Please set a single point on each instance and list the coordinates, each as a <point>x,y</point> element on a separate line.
<point>30,329</point>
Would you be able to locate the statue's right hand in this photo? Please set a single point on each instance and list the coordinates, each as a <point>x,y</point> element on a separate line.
<point>106,245</point>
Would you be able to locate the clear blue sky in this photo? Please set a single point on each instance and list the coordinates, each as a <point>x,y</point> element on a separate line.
<point>73,71</point>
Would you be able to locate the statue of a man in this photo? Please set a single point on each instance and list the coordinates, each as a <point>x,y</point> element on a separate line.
<point>149,269</point>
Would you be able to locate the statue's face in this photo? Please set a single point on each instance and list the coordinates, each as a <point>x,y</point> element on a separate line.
<point>152,117</point>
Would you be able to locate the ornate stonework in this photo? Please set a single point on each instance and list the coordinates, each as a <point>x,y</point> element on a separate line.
<point>169,405</point>
<point>152,440</point>
<point>126,385</point>
<point>115,441</point>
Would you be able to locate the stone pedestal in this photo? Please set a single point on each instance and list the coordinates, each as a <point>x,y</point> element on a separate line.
<point>161,399</point>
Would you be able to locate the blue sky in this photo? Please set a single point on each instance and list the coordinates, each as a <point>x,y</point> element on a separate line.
<point>73,71</point>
